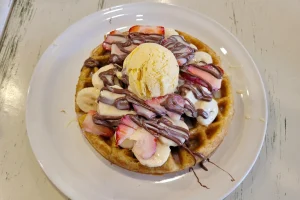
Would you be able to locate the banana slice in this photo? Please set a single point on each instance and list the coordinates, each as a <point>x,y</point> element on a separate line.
<point>87,99</point>
<point>160,156</point>
<point>96,81</point>
<point>169,32</point>
<point>201,56</point>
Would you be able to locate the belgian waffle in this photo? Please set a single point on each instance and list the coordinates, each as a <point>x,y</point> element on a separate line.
<point>203,140</point>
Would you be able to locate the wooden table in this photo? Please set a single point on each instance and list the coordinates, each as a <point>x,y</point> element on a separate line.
<point>270,31</point>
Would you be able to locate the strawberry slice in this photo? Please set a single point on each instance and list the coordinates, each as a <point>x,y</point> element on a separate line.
<point>155,103</point>
<point>91,127</point>
<point>194,80</point>
<point>125,129</point>
<point>128,122</point>
<point>160,30</point>
<point>122,133</point>
<point>214,82</point>
<point>145,145</point>
<point>114,32</point>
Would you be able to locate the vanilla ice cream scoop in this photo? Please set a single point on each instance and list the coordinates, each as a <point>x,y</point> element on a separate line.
<point>152,71</point>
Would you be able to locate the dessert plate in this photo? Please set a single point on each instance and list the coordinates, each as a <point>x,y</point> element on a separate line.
<point>79,171</point>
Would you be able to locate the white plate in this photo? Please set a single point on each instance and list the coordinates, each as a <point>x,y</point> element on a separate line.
<point>80,172</point>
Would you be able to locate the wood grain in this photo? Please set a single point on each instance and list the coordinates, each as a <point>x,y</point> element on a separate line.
<point>268,29</point>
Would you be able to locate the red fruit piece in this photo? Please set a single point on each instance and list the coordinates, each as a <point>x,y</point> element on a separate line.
<point>122,133</point>
<point>128,122</point>
<point>147,29</point>
<point>125,129</point>
<point>145,145</point>
<point>115,32</point>
<point>155,103</point>
<point>194,80</point>
<point>91,127</point>
<point>213,81</point>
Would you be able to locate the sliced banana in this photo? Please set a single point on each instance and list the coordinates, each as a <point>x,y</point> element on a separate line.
<point>193,46</point>
<point>159,158</point>
<point>201,56</point>
<point>169,32</point>
<point>211,108</point>
<point>87,99</point>
<point>96,81</point>
<point>108,110</point>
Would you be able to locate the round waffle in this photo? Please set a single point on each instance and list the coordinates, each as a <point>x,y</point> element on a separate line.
<point>203,140</point>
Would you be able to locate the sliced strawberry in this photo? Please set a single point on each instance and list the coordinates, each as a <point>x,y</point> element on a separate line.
<point>106,46</point>
<point>115,32</point>
<point>123,132</point>
<point>145,145</point>
<point>144,112</point>
<point>125,129</point>
<point>194,80</point>
<point>214,82</point>
<point>155,103</point>
<point>147,29</point>
<point>128,122</point>
<point>91,127</point>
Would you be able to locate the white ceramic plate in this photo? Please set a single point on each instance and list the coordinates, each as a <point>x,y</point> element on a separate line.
<point>78,170</point>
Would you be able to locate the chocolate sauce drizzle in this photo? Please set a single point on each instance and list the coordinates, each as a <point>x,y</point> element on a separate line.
<point>232,179</point>
<point>139,38</point>
<point>209,68</point>
<point>131,41</point>
<point>176,44</point>
<point>196,89</point>
<point>198,180</point>
<point>201,164</point>
<point>184,74</point>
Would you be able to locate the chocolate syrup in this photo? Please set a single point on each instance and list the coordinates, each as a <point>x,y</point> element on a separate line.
<point>232,179</point>
<point>198,180</point>
<point>176,44</point>
<point>162,127</point>
<point>191,77</point>
<point>197,90</point>
<point>139,38</point>
<point>108,77</point>
<point>209,68</point>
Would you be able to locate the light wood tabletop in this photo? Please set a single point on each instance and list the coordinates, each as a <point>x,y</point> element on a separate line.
<point>269,30</point>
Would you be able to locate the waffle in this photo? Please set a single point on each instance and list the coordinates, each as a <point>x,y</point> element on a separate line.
<point>204,140</point>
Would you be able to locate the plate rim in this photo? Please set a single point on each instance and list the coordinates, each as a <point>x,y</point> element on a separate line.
<point>47,172</point>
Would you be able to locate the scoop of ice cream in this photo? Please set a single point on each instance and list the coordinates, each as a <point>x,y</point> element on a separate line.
<point>152,71</point>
